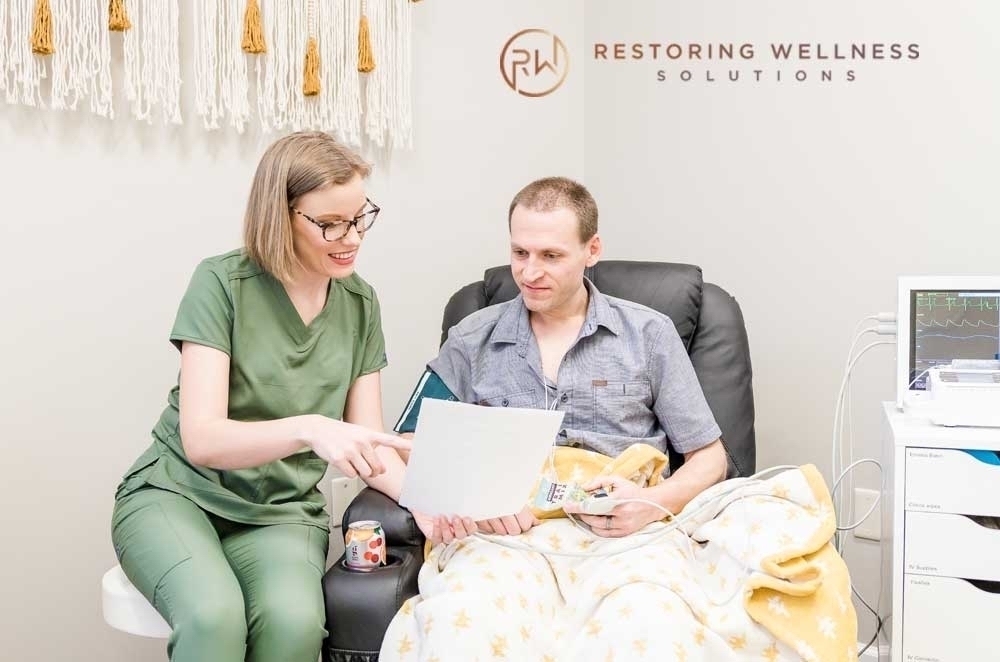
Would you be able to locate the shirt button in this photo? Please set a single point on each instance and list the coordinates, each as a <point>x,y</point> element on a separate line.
<point>504,402</point>
<point>564,398</point>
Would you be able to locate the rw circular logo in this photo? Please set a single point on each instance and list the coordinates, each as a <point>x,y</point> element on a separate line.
<point>534,62</point>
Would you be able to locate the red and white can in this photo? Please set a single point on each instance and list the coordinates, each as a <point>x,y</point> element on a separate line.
<point>364,545</point>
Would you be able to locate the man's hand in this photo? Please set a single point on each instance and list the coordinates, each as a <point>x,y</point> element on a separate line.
<point>510,525</point>
<point>440,529</point>
<point>626,518</point>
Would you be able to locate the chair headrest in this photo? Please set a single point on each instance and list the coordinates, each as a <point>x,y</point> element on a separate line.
<point>672,289</point>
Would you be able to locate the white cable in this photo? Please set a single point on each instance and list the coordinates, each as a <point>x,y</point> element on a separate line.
<point>837,422</point>
<point>857,327</point>
<point>843,386</point>
<point>836,452</point>
<point>552,449</point>
<point>851,527</point>
<point>677,520</point>
<point>846,501</point>
<point>645,537</point>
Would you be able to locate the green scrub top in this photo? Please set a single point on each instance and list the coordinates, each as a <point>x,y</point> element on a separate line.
<point>279,367</point>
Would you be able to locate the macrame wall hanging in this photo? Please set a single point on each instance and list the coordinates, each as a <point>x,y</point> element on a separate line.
<point>342,66</point>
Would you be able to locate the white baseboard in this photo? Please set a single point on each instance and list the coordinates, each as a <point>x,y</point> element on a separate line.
<point>873,654</point>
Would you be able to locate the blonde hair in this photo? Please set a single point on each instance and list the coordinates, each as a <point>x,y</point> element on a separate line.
<point>291,167</point>
<point>559,193</point>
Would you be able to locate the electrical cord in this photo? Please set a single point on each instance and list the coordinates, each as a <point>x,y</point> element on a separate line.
<point>836,485</point>
<point>846,503</point>
<point>842,420</point>
<point>653,535</point>
<point>648,536</point>
<point>836,451</point>
<point>878,620</point>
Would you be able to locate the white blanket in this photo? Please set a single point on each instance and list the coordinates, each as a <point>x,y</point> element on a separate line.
<point>748,575</point>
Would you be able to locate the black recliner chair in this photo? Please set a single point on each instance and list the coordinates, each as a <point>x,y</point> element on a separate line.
<point>359,605</point>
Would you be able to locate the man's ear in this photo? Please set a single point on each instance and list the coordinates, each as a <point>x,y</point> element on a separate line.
<point>594,250</point>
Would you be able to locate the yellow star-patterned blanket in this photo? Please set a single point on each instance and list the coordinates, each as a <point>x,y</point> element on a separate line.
<point>745,572</point>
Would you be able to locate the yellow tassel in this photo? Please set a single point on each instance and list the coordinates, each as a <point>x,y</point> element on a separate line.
<point>253,29</point>
<point>118,16</point>
<point>366,58</point>
<point>310,74</point>
<point>41,29</point>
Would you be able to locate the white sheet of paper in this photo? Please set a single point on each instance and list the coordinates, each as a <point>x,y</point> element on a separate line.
<point>476,461</point>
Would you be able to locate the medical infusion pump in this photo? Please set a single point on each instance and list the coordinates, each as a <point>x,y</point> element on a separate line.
<point>965,396</point>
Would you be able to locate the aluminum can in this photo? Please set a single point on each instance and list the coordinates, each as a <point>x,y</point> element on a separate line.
<point>364,545</point>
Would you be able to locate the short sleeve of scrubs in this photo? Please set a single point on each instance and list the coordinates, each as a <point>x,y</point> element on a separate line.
<point>205,314</point>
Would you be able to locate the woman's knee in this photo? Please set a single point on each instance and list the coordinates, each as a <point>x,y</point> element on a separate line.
<point>296,623</point>
<point>219,617</point>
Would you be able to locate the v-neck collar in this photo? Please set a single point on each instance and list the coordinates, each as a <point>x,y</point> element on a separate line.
<point>296,327</point>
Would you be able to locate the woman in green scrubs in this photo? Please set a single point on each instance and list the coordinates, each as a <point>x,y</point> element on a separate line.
<point>220,523</point>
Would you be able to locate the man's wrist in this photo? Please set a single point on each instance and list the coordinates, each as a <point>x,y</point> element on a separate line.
<point>666,495</point>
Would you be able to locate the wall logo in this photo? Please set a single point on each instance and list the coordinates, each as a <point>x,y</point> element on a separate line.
<point>750,63</point>
<point>534,62</point>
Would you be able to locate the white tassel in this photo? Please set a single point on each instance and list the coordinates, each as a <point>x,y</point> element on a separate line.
<point>377,111</point>
<point>264,69</point>
<point>220,65</point>
<point>25,69</point>
<point>131,41</point>
<point>5,84</point>
<point>102,99</point>
<point>388,118</point>
<point>205,68</point>
<point>152,61</point>
<point>345,98</point>
<point>376,83</point>
<point>236,84</point>
<point>273,84</point>
<point>280,102</point>
<point>81,65</point>
<point>402,130</point>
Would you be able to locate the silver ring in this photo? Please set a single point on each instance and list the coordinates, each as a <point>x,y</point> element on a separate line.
<point>607,523</point>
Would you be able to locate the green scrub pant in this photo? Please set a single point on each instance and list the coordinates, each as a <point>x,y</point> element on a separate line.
<point>231,592</point>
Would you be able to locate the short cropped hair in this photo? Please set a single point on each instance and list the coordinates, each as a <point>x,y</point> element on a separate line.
<point>559,193</point>
<point>296,164</point>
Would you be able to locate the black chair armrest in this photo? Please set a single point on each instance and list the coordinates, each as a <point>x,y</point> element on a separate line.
<point>360,605</point>
<point>397,522</point>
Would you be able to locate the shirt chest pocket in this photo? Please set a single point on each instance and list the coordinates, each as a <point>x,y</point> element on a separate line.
<point>519,399</point>
<point>622,407</point>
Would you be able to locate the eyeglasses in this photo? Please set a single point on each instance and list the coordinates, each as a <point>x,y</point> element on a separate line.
<point>339,229</point>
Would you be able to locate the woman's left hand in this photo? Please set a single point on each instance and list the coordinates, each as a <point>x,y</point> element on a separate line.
<point>625,518</point>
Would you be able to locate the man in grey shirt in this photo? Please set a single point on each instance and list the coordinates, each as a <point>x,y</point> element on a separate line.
<point>617,369</point>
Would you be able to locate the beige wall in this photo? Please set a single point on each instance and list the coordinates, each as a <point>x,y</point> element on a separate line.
<point>804,201</point>
<point>103,223</point>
